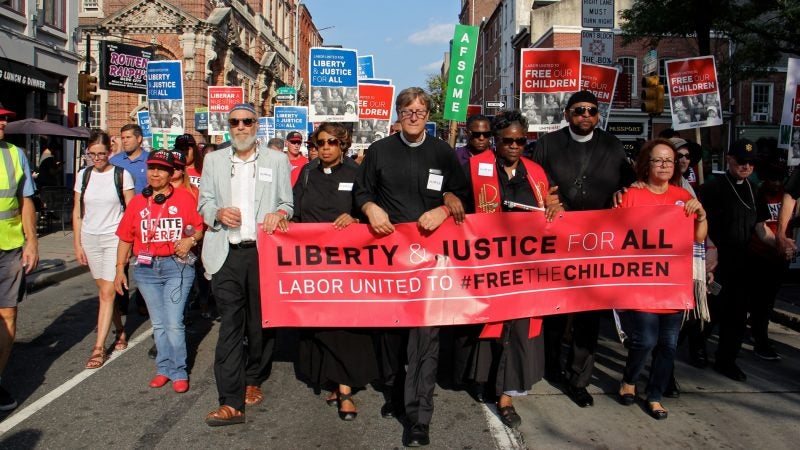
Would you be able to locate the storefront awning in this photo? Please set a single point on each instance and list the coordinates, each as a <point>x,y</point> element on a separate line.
<point>27,76</point>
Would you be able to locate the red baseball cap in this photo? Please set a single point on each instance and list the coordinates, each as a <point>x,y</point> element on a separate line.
<point>5,112</point>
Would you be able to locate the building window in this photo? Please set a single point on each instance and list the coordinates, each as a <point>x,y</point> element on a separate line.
<point>628,65</point>
<point>54,13</point>
<point>91,5</point>
<point>761,101</point>
<point>95,113</point>
<point>14,5</point>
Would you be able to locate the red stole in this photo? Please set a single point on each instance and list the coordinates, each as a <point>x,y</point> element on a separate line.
<point>486,193</point>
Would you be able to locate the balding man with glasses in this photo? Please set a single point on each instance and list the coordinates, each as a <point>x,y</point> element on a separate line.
<point>587,165</point>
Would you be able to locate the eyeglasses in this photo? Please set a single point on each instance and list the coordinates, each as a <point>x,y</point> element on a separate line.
<point>480,134</point>
<point>745,161</point>
<point>662,162</point>
<point>581,110</point>
<point>296,142</point>
<point>521,141</point>
<point>3,118</point>
<point>683,156</point>
<point>332,142</point>
<point>91,155</point>
<point>419,114</point>
<point>248,122</point>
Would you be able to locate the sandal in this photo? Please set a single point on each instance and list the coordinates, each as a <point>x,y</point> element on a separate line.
<point>346,415</point>
<point>333,398</point>
<point>625,398</point>
<point>97,359</point>
<point>122,342</point>
<point>657,412</point>
<point>509,416</point>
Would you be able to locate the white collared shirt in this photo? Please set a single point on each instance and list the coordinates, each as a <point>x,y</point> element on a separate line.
<point>243,196</point>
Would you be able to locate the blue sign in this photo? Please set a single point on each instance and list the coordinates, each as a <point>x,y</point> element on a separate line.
<point>430,128</point>
<point>144,123</point>
<point>334,67</point>
<point>382,81</point>
<point>266,127</point>
<point>290,118</point>
<point>201,119</point>
<point>164,80</point>
<point>366,67</point>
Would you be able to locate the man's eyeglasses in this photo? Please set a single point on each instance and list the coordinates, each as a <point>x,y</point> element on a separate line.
<point>332,142</point>
<point>419,114</point>
<point>683,156</point>
<point>521,141</point>
<point>480,134</point>
<point>96,155</point>
<point>298,142</point>
<point>581,110</point>
<point>248,122</point>
<point>662,162</point>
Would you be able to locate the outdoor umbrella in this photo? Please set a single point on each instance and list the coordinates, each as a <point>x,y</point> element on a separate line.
<point>42,128</point>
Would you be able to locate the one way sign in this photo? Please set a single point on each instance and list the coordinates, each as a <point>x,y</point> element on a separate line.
<point>495,104</point>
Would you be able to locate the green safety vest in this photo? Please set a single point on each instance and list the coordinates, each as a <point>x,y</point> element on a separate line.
<point>11,173</point>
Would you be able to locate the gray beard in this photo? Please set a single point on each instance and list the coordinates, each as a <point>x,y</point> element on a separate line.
<point>243,144</point>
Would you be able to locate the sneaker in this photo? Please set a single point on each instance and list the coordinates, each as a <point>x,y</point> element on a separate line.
<point>768,353</point>
<point>7,402</point>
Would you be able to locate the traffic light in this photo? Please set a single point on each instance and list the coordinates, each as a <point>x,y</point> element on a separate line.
<point>652,95</point>
<point>87,87</point>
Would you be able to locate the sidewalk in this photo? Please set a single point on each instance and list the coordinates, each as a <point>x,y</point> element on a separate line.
<point>57,263</point>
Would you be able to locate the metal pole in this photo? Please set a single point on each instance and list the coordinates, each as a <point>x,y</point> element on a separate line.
<point>296,49</point>
<point>87,68</point>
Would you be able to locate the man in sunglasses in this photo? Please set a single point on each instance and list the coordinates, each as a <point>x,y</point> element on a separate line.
<point>242,189</point>
<point>294,140</point>
<point>479,133</point>
<point>587,165</point>
<point>730,201</point>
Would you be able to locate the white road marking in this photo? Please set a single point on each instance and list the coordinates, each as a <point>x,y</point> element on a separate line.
<point>51,396</point>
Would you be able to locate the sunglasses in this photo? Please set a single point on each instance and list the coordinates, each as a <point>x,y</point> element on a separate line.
<point>683,156</point>
<point>745,161</point>
<point>247,122</point>
<point>581,110</point>
<point>480,134</point>
<point>3,118</point>
<point>521,141</point>
<point>297,142</point>
<point>332,142</point>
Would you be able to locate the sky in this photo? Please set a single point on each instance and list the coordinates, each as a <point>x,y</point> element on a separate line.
<point>408,38</point>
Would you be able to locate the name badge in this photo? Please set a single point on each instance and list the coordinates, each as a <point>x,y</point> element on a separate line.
<point>345,186</point>
<point>435,182</point>
<point>265,174</point>
<point>144,259</point>
<point>485,169</point>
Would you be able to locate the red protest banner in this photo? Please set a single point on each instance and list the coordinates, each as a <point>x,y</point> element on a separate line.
<point>220,100</point>
<point>548,76</point>
<point>694,92</point>
<point>492,268</point>
<point>600,81</point>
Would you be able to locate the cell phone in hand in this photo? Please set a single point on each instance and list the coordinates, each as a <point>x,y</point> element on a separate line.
<point>714,288</point>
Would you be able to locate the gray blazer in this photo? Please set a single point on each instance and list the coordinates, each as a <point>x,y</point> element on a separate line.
<point>215,193</point>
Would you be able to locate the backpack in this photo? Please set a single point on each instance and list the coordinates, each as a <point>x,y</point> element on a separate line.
<point>118,171</point>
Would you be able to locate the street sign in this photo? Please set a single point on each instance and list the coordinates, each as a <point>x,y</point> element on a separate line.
<point>650,65</point>
<point>286,90</point>
<point>284,98</point>
<point>597,47</point>
<point>495,104</point>
<point>597,14</point>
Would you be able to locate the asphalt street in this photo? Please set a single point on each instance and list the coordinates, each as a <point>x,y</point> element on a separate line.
<point>64,406</point>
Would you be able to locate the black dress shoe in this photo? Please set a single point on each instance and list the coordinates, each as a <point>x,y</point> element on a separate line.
<point>418,436</point>
<point>672,390</point>
<point>388,410</point>
<point>509,416</point>
<point>731,371</point>
<point>153,352</point>
<point>580,396</point>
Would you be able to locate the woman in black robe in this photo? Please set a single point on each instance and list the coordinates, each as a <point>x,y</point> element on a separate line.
<point>338,360</point>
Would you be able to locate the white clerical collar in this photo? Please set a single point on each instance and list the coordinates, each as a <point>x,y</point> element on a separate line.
<point>412,144</point>
<point>579,138</point>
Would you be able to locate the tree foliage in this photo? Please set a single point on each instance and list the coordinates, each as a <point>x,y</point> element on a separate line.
<point>436,86</point>
<point>760,31</point>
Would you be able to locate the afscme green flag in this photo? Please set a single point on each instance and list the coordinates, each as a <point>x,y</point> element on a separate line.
<point>462,62</point>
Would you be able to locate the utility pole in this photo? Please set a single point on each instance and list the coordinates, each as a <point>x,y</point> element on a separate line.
<point>87,68</point>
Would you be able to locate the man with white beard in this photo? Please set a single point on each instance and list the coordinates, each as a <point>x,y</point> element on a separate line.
<point>241,189</point>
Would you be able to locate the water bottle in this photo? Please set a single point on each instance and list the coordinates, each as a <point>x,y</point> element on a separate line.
<point>191,258</point>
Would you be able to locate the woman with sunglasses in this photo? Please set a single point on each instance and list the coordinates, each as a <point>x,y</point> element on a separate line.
<point>338,360</point>
<point>656,331</point>
<point>96,214</point>
<point>155,227</point>
<point>514,183</point>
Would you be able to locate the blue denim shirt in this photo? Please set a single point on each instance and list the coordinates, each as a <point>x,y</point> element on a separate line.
<point>137,168</point>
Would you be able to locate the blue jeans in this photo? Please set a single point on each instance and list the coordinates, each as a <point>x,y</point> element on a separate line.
<point>649,331</point>
<point>165,285</point>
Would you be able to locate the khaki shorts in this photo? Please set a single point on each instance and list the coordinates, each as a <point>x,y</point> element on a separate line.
<point>12,278</point>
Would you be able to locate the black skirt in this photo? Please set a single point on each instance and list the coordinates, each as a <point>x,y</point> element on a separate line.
<point>329,357</point>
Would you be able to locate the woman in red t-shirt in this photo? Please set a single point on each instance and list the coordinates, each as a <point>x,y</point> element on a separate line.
<point>162,225</point>
<point>656,329</point>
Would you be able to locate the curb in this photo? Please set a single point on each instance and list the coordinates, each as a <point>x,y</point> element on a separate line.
<point>54,275</point>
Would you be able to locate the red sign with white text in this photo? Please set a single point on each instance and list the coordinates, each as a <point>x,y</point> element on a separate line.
<point>635,258</point>
<point>600,81</point>
<point>550,70</point>
<point>222,99</point>
<point>796,115</point>
<point>694,93</point>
